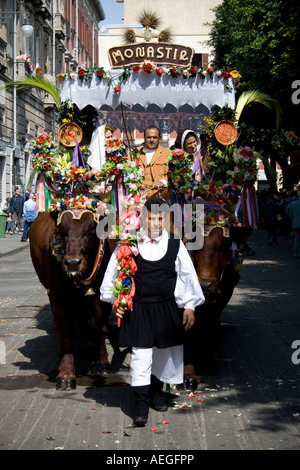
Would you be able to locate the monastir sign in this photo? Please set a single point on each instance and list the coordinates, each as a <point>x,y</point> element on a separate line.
<point>159,53</point>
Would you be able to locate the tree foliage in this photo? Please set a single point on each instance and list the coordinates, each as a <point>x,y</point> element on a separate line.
<point>260,39</point>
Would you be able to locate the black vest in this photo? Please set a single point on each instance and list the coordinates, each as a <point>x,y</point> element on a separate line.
<point>155,281</point>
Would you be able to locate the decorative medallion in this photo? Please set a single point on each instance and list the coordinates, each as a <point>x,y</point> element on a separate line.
<point>69,133</point>
<point>226,132</point>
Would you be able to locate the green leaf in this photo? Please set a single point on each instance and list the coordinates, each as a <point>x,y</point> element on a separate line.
<point>34,82</point>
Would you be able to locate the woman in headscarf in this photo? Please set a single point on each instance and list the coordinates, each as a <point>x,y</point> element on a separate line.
<point>189,142</point>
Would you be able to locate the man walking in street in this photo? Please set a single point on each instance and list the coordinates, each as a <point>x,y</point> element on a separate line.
<point>16,211</point>
<point>29,214</point>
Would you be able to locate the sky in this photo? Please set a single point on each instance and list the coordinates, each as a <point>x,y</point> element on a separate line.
<point>113,12</point>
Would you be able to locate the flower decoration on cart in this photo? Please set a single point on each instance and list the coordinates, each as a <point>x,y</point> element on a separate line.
<point>121,171</point>
<point>43,162</point>
<point>214,216</point>
<point>82,201</point>
<point>180,171</point>
<point>244,175</point>
<point>128,231</point>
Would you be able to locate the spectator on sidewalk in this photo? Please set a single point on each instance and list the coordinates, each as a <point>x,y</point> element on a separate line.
<point>271,211</point>
<point>294,213</point>
<point>16,211</point>
<point>29,214</point>
<point>5,209</point>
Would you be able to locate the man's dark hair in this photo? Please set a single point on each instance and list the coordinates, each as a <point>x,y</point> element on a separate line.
<point>156,204</point>
<point>152,127</point>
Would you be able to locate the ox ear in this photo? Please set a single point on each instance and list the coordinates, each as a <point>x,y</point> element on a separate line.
<point>54,215</point>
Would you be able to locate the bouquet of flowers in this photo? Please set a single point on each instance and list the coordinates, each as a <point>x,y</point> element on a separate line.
<point>245,170</point>
<point>43,151</point>
<point>116,157</point>
<point>180,171</point>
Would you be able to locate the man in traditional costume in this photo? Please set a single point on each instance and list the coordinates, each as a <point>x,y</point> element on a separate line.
<point>167,291</point>
<point>153,160</point>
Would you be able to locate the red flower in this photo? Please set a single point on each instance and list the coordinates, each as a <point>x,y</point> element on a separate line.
<point>193,70</point>
<point>123,251</point>
<point>174,72</point>
<point>226,74</point>
<point>136,68</point>
<point>216,217</point>
<point>117,88</point>
<point>209,70</point>
<point>100,73</point>
<point>147,68</point>
<point>81,73</point>
<point>159,72</point>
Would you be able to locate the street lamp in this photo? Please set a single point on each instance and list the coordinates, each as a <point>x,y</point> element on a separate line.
<point>27,30</point>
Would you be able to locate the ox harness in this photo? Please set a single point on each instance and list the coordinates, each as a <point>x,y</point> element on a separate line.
<point>57,249</point>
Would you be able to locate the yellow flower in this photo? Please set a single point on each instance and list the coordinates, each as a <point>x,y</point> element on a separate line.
<point>60,77</point>
<point>234,73</point>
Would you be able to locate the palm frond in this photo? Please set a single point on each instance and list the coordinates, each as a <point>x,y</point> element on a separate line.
<point>272,172</point>
<point>257,96</point>
<point>149,19</point>
<point>34,82</point>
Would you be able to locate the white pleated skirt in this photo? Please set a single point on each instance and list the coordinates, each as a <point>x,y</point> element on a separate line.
<point>165,363</point>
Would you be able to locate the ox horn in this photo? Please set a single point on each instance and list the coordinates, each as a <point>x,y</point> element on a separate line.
<point>90,291</point>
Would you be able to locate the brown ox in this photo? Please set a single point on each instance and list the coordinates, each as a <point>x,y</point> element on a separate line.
<point>63,273</point>
<point>218,276</point>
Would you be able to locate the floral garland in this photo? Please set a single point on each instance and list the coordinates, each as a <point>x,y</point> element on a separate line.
<point>79,202</point>
<point>214,216</point>
<point>180,171</point>
<point>43,150</point>
<point>128,231</point>
<point>86,74</point>
<point>220,219</point>
<point>216,188</point>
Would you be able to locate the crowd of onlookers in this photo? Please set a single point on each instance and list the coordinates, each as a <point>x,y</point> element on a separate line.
<point>20,213</point>
<point>279,214</point>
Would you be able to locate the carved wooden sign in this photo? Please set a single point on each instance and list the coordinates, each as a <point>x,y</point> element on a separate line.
<point>159,53</point>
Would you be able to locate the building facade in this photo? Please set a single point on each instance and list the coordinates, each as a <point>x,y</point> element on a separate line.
<point>65,34</point>
<point>188,22</point>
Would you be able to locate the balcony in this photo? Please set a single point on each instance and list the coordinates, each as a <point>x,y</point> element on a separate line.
<point>42,8</point>
<point>60,26</point>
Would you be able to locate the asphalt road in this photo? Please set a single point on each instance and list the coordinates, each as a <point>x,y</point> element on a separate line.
<point>252,403</point>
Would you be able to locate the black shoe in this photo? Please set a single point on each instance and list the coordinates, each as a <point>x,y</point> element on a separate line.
<point>140,421</point>
<point>158,405</point>
<point>141,405</point>
<point>156,399</point>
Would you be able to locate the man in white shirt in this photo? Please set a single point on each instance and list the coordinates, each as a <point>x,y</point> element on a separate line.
<point>29,214</point>
<point>167,291</point>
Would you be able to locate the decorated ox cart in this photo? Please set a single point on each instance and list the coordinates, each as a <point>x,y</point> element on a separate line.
<point>82,180</point>
<point>67,191</point>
